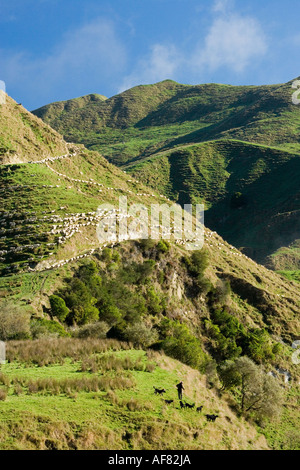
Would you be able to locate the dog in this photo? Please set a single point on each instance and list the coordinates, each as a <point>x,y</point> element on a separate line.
<point>199,409</point>
<point>159,391</point>
<point>211,417</point>
<point>182,405</point>
<point>187,405</point>
<point>168,402</point>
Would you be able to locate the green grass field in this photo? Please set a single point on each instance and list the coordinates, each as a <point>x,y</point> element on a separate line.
<point>59,406</point>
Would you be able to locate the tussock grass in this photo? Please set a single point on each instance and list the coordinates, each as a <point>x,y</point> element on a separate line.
<point>51,351</point>
<point>83,384</point>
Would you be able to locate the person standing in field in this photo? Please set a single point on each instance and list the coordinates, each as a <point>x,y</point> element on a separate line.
<point>180,387</point>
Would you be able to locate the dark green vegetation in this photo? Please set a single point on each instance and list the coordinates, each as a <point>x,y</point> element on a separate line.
<point>205,143</point>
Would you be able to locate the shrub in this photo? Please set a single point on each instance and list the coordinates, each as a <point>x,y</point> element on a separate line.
<point>257,345</point>
<point>180,344</point>
<point>155,301</point>
<point>41,327</point>
<point>141,335</point>
<point>93,330</point>
<point>197,263</point>
<point>14,322</point>
<point>3,394</point>
<point>147,244</point>
<point>163,246</point>
<point>135,273</point>
<point>221,292</point>
<point>231,338</point>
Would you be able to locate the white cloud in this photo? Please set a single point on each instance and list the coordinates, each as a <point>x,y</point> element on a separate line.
<point>232,41</point>
<point>162,62</point>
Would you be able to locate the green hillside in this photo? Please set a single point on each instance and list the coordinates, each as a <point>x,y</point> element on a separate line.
<point>79,315</point>
<point>208,143</point>
<point>149,117</point>
<point>23,136</point>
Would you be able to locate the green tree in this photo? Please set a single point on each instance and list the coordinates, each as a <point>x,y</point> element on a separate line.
<point>81,303</point>
<point>58,307</point>
<point>255,391</point>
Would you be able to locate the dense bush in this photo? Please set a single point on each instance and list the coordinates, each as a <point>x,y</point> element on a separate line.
<point>179,343</point>
<point>220,293</point>
<point>156,302</point>
<point>41,327</point>
<point>58,307</point>
<point>98,329</point>
<point>231,339</point>
<point>196,265</point>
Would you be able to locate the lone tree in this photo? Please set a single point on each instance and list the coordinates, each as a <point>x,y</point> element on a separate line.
<point>256,391</point>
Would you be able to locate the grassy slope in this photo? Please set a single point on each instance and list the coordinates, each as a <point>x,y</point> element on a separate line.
<point>152,131</point>
<point>132,418</point>
<point>23,137</point>
<point>37,191</point>
<point>32,190</point>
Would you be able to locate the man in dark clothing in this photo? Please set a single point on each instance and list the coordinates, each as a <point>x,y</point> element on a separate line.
<point>180,387</point>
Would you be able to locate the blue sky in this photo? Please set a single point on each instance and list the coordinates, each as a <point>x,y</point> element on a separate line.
<point>53,50</point>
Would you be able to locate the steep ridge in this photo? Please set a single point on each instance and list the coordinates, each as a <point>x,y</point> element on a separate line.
<point>24,137</point>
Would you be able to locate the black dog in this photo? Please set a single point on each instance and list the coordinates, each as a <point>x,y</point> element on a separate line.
<point>159,391</point>
<point>199,408</point>
<point>182,405</point>
<point>168,402</point>
<point>187,405</point>
<point>211,417</point>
